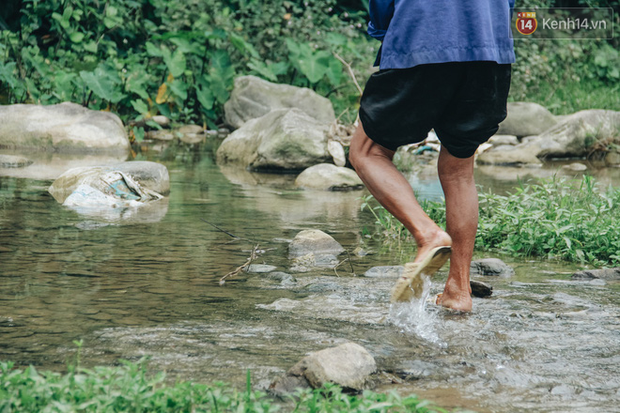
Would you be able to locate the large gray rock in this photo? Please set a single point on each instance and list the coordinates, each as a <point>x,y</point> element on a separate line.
<point>150,175</point>
<point>65,127</point>
<point>329,177</point>
<point>578,134</point>
<point>284,139</point>
<point>313,241</point>
<point>491,266</point>
<point>253,97</point>
<point>604,274</point>
<point>525,119</point>
<point>348,365</point>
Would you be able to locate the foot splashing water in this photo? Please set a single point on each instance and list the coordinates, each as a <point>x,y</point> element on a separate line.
<point>411,316</point>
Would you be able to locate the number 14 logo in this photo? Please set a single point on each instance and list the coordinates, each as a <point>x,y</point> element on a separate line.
<point>526,22</point>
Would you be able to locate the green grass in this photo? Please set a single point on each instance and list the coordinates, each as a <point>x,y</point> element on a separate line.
<point>129,388</point>
<point>557,219</point>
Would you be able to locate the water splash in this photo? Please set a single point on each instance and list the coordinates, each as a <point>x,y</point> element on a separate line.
<point>411,317</point>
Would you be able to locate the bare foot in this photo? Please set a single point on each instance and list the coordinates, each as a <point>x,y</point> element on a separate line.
<point>455,300</point>
<point>437,239</point>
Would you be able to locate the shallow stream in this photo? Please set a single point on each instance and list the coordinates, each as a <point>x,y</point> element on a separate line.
<point>150,287</point>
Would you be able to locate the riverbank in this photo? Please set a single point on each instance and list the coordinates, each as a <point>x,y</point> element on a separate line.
<point>131,387</point>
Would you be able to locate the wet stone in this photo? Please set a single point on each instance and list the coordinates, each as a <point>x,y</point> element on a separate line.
<point>604,274</point>
<point>280,276</point>
<point>260,268</point>
<point>190,129</point>
<point>387,271</point>
<point>480,289</point>
<point>313,241</point>
<point>323,287</point>
<point>575,167</point>
<point>491,267</point>
<point>348,365</point>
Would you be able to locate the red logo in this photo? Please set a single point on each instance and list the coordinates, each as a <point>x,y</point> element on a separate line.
<point>526,22</point>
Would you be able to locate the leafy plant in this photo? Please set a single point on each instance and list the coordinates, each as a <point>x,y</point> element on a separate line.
<point>178,59</point>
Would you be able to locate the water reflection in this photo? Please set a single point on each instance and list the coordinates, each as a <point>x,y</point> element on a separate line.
<point>50,165</point>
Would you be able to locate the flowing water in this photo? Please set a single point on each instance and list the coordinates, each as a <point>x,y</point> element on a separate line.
<point>147,284</point>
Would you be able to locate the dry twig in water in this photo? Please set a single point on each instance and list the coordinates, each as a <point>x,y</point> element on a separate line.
<point>342,262</point>
<point>241,267</point>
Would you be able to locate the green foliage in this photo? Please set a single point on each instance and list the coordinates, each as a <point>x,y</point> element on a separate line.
<point>129,388</point>
<point>556,219</point>
<point>568,75</point>
<point>174,58</point>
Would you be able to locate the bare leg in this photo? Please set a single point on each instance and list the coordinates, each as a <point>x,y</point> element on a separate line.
<point>457,179</point>
<point>373,164</point>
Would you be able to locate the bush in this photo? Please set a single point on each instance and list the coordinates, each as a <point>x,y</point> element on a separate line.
<point>174,58</point>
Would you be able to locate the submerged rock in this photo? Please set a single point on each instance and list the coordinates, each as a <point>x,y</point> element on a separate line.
<point>491,266</point>
<point>253,98</point>
<point>66,127</point>
<point>260,268</point>
<point>603,274</point>
<point>525,119</point>
<point>386,271</point>
<point>282,140</point>
<point>282,277</point>
<point>311,260</point>
<point>313,241</point>
<point>348,365</point>
<point>329,177</point>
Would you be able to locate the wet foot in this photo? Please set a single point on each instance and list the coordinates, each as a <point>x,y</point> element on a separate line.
<point>432,255</point>
<point>459,301</point>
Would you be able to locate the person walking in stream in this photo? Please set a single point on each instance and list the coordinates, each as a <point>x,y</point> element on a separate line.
<point>443,65</point>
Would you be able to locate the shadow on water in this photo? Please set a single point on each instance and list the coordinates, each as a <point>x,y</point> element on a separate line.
<point>541,343</point>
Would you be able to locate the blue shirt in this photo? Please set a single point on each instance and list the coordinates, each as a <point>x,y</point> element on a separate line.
<point>415,32</point>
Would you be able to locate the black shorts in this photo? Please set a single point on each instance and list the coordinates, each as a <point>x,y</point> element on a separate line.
<point>463,101</point>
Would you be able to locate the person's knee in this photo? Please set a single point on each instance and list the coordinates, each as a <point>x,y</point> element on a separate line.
<point>356,151</point>
<point>451,167</point>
